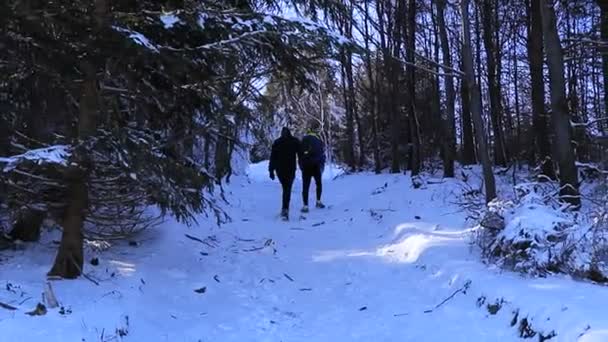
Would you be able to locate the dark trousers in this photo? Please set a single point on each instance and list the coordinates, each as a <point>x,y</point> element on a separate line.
<point>309,172</point>
<point>286,183</point>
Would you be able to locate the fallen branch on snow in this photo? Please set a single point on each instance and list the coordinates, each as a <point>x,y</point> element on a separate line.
<point>463,289</point>
<point>7,307</point>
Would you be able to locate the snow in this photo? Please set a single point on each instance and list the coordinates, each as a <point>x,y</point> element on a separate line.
<point>371,267</point>
<point>138,38</point>
<point>169,19</point>
<point>57,154</point>
<point>259,172</point>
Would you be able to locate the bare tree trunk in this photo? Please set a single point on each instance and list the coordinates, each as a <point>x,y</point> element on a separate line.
<point>392,71</point>
<point>560,117</point>
<point>411,84</point>
<point>348,105</point>
<point>360,140</point>
<point>604,50</point>
<point>467,60</point>
<point>539,115</point>
<point>518,153</point>
<point>450,151</point>
<point>493,84</point>
<point>373,93</point>
<point>468,142</point>
<point>349,92</point>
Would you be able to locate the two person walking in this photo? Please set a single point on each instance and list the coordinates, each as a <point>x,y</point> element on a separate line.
<point>310,154</point>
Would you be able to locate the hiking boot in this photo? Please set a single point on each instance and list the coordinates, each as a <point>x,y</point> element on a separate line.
<point>305,209</point>
<point>320,205</point>
<point>285,214</point>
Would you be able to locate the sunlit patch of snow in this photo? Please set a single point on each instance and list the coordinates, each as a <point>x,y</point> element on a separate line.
<point>124,268</point>
<point>407,248</point>
<point>595,336</point>
<point>410,248</point>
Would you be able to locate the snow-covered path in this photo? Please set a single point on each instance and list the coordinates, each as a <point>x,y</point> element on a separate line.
<point>369,268</point>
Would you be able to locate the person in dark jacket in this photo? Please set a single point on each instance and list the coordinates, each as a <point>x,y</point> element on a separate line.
<point>312,163</point>
<point>283,161</point>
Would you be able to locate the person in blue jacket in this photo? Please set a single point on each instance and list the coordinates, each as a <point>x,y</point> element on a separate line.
<point>312,163</point>
<point>283,162</point>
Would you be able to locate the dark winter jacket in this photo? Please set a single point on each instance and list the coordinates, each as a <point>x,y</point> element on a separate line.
<point>312,151</point>
<point>283,156</point>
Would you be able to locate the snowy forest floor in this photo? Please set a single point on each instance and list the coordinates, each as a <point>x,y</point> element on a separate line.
<point>385,262</point>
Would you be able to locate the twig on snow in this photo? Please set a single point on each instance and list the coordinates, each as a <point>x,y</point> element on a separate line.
<point>7,307</point>
<point>463,289</point>
<point>194,238</point>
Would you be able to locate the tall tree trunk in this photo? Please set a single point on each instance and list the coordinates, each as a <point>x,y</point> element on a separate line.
<point>482,149</point>
<point>392,71</point>
<point>361,142</point>
<point>539,115</point>
<point>493,83</point>
<point>518,149</point>
<point>411,85</point>
<point>560,118</point>
<point>373,93</point>
<point>450,151</point>
<point>604,49</point>
<point>349,97</point>
<point>348,105</point>
<point>70,257</point>
<point>468,141</point>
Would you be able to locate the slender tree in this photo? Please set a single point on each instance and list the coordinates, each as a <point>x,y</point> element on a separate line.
<point>604,49</point>
<point>475,100</point>
<point>450,149</point>
<point>492,58</point>
<point>539,115</point>
<point>568,174</point>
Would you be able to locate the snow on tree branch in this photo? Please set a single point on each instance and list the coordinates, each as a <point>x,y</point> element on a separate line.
<point>58,154</point>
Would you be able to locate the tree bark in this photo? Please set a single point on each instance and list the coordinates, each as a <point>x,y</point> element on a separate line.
<point>482,149</point>
<point>604,50</point>
<point>493,83</point>
<point>348,106</point>
<point>70,257</point>
<point>450,150</point>
<point>392,71</point>
<point>373,93</point>
<point>468,141</point>
<point>539,115</point>
<point>414,124</point>
<point>349,93</point>
<point>518,151</point>
<point>560,118</point>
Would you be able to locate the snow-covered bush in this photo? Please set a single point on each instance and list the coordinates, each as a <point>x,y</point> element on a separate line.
<point>535,234</point>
